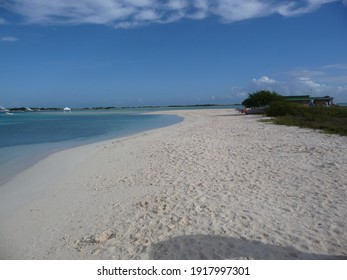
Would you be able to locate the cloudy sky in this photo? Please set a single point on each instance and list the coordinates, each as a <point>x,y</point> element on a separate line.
<point>160,52</point>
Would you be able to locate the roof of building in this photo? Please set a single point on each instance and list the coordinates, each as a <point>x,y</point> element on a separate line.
<point>322,98</point>
<point>307,98</point>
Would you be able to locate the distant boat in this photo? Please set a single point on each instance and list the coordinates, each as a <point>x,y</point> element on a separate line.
<point>4,110</point>
<point>67,110</point>
<point>255,110</point>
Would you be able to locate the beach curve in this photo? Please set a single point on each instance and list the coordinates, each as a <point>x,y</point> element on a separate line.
<point>218,178</point>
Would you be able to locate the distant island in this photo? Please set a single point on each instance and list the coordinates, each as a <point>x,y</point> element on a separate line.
<point>40,109</point>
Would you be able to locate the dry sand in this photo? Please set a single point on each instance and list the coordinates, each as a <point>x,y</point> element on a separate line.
<point>219,185</point>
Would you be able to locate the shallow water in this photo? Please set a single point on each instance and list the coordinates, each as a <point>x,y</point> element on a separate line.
<point>26,138</point>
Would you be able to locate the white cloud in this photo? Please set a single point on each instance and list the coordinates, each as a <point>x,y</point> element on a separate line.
<point>264,80</point>
<point>2,21</point>
<point>334,74</point>
<point>308,81</point>
<point>237,10</point>
<point>132,13</point>
<point>305,85</point>
<point>319,81</point>
<point>147,15</point>
<point>238,93</point>
<point>176,4</point>
<point>309,86</point>
<point>9,39</point>
<point>295,8</point>
<point>335,66</point>
<point>201,9</point>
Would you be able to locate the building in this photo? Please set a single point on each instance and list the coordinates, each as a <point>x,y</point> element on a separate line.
<point>310,101</point>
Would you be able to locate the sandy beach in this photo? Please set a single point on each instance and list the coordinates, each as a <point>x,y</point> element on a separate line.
<point>218,185</point>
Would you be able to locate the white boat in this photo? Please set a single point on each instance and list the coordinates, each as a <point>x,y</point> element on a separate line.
<point>4,110</point>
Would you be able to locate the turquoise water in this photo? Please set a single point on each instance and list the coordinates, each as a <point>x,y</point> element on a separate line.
<point>26,138</point>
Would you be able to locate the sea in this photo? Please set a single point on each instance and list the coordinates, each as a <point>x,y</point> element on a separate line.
<point>28,137</point>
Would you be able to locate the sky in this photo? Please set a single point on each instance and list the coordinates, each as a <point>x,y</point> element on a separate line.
<point>86,53</point>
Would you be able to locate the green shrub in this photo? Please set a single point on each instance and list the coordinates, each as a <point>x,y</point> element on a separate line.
<point>329,119</point>
<point>261,98</point>
<point>282,108</point>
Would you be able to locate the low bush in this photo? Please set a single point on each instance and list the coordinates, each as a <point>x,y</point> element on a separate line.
<point>282,108</point>
<point>261,98</point>
<point>330,119</point>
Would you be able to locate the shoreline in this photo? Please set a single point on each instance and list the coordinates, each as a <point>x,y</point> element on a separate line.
<point>18,158</point>
<point>216,186</point>
<point>56,163</point>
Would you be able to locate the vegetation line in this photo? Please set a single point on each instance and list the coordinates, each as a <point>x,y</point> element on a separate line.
<point>330,119</point>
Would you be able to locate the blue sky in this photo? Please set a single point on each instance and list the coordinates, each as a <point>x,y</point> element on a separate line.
<point>161,52</point>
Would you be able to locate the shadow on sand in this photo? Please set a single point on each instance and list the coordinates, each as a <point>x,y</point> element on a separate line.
<point>210,247</point>
<point>231,115</point>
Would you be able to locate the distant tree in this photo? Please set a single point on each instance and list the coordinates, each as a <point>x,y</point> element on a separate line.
<point>261,98</point>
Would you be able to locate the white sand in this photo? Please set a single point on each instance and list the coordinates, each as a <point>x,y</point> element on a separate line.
<point>216,186</point>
